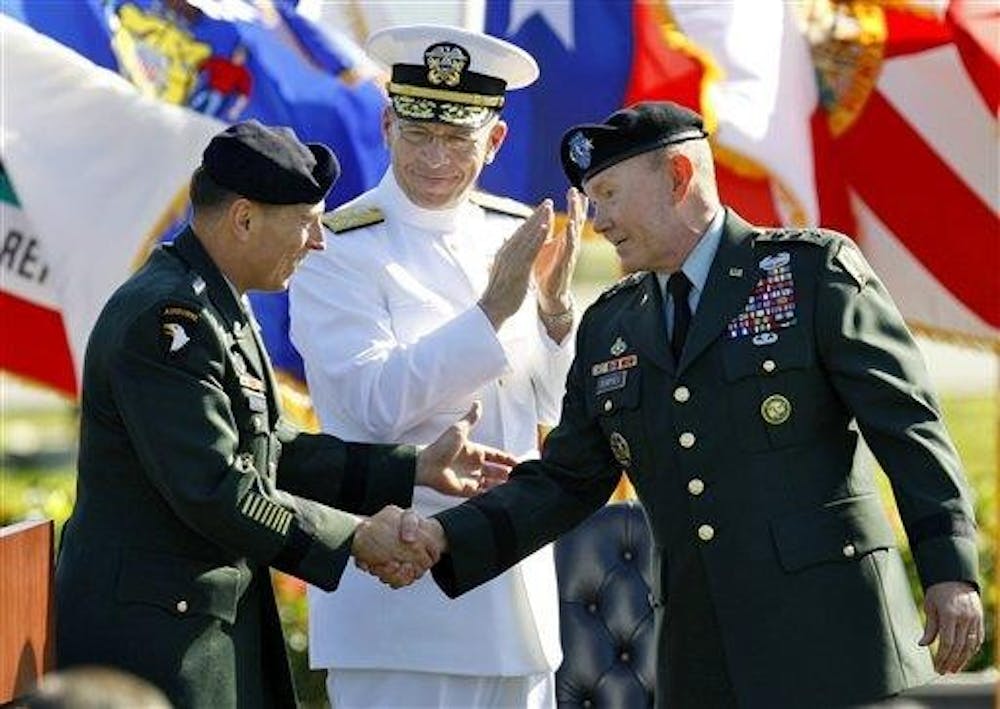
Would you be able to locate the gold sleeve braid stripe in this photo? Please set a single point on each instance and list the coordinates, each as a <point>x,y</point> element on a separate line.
<point>266,513</point>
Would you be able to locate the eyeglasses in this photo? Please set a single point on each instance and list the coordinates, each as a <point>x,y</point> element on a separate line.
<point>456,143</point>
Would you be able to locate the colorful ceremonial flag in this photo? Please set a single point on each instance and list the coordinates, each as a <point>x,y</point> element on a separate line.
<point>878,121</point>
<point>189,68</point>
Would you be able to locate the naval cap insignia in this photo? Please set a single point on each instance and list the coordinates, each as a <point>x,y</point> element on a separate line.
<point>618,347</point>
<point>776,409</point>
<point>580,148</point>
<point>620,449</point>
<point>445,63</point>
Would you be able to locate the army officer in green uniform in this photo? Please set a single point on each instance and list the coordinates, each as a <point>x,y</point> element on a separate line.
<point>190,483</point>
<point>729,375</point>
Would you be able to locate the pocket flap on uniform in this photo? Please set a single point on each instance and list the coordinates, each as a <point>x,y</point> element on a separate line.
<point>181,586</point>
<point>843,530</point>
<point>741,358</point>
<point>610,392</point>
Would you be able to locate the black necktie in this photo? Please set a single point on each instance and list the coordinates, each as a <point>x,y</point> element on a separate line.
<point>679,287</point>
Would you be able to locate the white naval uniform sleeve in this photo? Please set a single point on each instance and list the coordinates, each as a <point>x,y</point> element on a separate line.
<point>549,370</point>
<point>364,382</point>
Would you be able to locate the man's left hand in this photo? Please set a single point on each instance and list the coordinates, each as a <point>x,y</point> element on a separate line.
<point>555,263</point>
<point>955,617</point>
<point>453,465</point>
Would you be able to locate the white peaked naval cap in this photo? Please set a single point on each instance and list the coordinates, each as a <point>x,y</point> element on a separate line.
<point>449,74</point>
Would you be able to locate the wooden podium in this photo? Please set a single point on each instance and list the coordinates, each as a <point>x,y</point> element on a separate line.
<point>27,649</point>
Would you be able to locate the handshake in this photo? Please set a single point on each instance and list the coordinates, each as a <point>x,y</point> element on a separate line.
<point>398,546</point>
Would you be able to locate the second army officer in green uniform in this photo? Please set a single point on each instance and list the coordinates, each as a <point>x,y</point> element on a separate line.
<point>190,483</point>
<point>777,578</point>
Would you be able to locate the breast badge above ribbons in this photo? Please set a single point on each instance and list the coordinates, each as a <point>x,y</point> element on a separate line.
<point>770,305</point>
<point>618,347</point>
<point>620,449</point>
<point>776,409</point>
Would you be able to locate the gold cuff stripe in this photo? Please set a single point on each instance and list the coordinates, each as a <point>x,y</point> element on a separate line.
<point>439,95</point>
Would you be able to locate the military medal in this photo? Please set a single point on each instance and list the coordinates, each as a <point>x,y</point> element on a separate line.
<point>620,449</point>
<point>776,409</point>
<point>770,305</point>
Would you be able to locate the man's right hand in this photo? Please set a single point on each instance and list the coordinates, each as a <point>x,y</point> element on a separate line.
<point>398,546</point>
<point>392,546</point>
<point>513,265</point>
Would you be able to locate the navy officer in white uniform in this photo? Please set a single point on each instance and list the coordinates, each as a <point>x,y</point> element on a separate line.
<point>416,309</point>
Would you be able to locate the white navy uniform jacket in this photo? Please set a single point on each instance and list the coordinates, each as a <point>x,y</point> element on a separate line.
<point>396,349</point>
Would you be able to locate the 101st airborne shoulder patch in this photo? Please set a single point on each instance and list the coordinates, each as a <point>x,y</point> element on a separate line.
<point>177,323</point>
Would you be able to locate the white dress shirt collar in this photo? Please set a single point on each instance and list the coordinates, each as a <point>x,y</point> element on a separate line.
<point>393,200</point>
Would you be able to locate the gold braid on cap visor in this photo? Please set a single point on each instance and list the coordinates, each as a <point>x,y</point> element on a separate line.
<point>494,102</point>
<point>423,109</point>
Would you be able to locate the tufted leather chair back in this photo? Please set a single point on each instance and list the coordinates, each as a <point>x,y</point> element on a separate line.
<point>609,658</point>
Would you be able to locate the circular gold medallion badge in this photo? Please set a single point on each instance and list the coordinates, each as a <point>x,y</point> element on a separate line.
<point>620,449</point>
<point>776,409</point>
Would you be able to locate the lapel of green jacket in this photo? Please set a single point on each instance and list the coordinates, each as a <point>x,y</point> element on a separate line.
<point>235,318</point>
<point>730,280</point>
<point>645,326</point>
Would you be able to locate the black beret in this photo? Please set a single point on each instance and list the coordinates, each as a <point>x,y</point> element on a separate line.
<point>590,148</point>
<point>270,164</point>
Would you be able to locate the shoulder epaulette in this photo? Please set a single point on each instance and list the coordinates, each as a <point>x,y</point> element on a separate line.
<point>817,237</point>
<point>628,281</point>
<point>345,219</point>
<point>503,205</point>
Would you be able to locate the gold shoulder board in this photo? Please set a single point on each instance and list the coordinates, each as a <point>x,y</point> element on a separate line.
<point>493,203</point>
<point>345,219</point>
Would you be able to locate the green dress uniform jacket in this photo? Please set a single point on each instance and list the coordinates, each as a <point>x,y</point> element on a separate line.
<point>191,485</point>
<point>777,578</point>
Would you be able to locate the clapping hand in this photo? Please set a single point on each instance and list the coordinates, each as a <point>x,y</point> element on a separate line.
<point>556,261</point>
<point>512,266</point>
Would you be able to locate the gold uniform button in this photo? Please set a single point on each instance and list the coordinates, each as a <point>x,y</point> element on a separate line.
<point>849,551</point>
<point>608,405</point>
<point>768,365</point>
<point>182,606</point>
<point>686,440</point>
<point>706,532</point>
<point>696,486</point>
<point>682,394</point>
